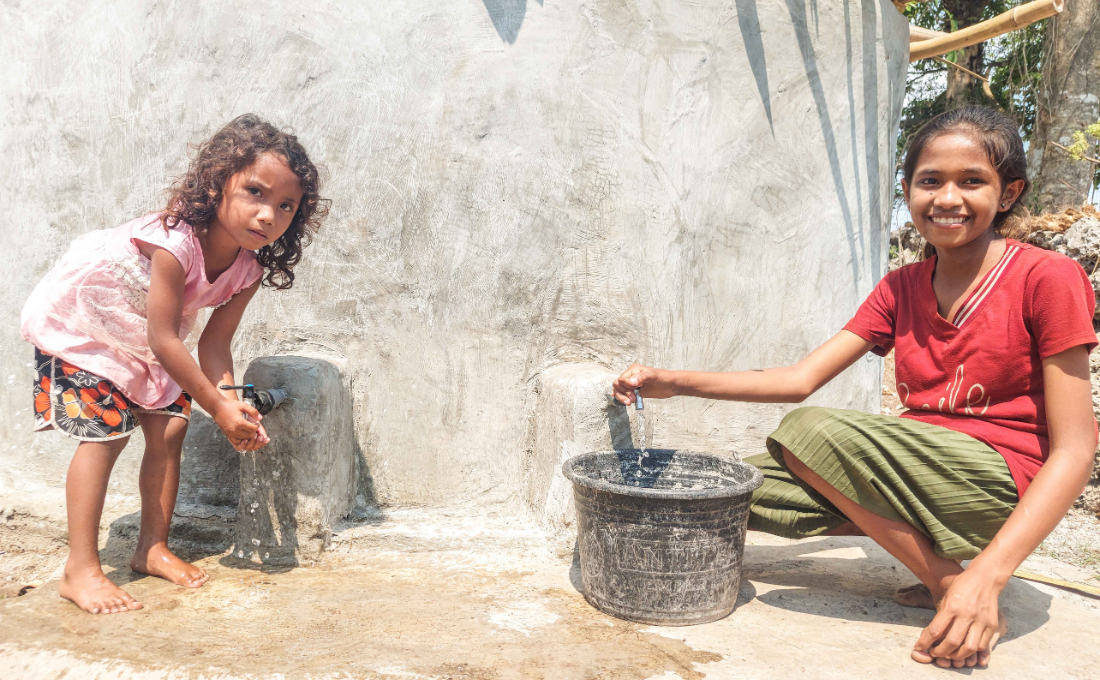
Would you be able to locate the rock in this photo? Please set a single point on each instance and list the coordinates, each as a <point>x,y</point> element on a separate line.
<point>906,246</point>
<point>1082,242</point>
<point>1048,240</point>
<point>294,490</point>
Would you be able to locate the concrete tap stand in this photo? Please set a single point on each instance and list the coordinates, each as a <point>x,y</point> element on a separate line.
<point>573,414</point>
<point>297,487</point>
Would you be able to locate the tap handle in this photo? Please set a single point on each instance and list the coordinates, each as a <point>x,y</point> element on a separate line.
<point>248,392</point>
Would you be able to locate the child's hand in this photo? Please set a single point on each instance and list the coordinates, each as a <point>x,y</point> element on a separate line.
<point>238,420</point>
<point>653,383</point>
<point>256,441</point>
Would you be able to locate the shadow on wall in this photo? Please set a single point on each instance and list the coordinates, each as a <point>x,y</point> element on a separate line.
<point>749,23</point>
<point>210,468</point>
<point>507,17</point>
<point>748,20</point>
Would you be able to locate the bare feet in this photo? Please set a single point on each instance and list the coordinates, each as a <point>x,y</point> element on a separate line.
<point>915,596</point>
<point>90,590</point>
<point>980,658</point>
<point>159,561</point>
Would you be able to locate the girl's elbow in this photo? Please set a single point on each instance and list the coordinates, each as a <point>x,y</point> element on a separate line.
<point>161,342</point>
<point>210,343</point>
<point>801,391</point>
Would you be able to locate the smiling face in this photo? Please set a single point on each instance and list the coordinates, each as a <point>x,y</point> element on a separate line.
<point>956,192</point>
<point>259,202</point>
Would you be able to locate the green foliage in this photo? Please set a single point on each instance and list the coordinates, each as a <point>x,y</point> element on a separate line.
<point>1086,150</point>
<point>1079,148</point>
<point>1012,63</point>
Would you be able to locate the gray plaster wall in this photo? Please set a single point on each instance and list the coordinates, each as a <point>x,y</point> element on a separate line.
<point>515,185</point>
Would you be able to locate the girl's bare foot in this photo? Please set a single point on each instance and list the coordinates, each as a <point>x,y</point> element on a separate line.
<point>977,659</point>
<point>90,590</point>
<point>159,561</point>
<point>915,596</point>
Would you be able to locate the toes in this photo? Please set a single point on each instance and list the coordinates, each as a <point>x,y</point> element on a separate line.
<point>131,603</point>
<point>983,657</point>
<point>921,656</point>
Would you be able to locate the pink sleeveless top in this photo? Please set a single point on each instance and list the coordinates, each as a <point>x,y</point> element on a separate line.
<point>90,309</point>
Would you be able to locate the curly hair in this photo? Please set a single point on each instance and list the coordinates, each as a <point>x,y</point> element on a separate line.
<point>194,198</point>
<point>999,135</point>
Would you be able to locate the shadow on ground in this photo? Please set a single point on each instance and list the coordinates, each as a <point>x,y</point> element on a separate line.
<point>830,578</point>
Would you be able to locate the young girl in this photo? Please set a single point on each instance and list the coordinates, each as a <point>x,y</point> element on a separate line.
<point>991,340</point>
<point>109,321</point>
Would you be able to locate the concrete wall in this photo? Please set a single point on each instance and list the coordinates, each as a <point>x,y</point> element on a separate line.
<point>515,185</point>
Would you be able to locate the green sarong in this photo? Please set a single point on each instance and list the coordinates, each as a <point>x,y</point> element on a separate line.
<point>951,487</point>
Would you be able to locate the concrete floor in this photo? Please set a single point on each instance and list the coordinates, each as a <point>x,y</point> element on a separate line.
<point>453,594</point>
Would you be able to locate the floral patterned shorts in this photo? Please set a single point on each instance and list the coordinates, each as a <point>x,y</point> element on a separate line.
<point>84,406</point>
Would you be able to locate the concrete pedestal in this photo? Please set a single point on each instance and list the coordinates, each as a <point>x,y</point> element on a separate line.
<point>295,489</point>
<point>209,473</point>
<point>573,414</point>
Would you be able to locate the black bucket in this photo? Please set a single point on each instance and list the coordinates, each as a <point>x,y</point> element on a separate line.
<point>661,541</point>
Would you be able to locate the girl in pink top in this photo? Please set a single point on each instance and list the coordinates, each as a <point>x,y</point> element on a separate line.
<point>109,322</point>
<point>991,339</point>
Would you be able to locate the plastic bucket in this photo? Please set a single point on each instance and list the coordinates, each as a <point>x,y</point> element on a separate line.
<point>661,541</point>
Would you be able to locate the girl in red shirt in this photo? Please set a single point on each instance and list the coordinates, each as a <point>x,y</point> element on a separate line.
<point>991,339</point>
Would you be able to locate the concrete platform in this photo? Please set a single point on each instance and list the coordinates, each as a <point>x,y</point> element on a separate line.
<point>454,594</point>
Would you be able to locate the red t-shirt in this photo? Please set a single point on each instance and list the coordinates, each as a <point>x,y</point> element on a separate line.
<point>983,374</point>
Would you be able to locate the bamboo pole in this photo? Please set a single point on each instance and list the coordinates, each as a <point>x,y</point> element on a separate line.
<point>1070,585</point>
<point>1013,19</point>
<point>917,34</point>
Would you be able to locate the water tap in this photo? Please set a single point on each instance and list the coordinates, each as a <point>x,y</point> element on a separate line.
<point>263,401</point>
<point>638,400</point>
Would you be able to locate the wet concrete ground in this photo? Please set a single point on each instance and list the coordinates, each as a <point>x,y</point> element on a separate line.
<point>450,594</point>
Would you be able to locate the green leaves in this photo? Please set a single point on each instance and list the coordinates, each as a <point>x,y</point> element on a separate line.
<point>1079,148</point>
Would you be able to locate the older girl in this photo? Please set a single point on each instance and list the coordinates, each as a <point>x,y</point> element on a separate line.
<point>991,339</point>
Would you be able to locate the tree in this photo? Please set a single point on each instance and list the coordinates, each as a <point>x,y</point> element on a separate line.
<point>1008,66</point>
<point>1068,101</point>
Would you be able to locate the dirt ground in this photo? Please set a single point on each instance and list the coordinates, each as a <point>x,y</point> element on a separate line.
<point>458,595</point>
<point>465,594</point>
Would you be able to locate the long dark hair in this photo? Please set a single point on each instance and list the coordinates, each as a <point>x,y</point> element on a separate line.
<point>999,135</point>
<point>194,198</point>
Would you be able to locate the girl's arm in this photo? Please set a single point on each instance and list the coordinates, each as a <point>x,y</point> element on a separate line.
<point>967,618</point>
<point>787,384</point>
<point>165,313</point>
<point>216,359</point>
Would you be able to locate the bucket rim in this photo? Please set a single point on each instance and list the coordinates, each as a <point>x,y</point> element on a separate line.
<point>752,484</point>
